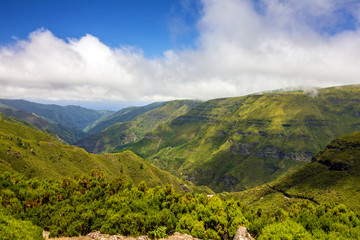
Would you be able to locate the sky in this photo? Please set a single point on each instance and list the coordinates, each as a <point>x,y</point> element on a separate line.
<point>110,54</point>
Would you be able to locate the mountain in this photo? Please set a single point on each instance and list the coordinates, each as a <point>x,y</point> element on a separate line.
<point>69,116</point>
<point>123,115</point>
<point>233,144</point>
<point>58,131</point>
<point>333,175</point>
<point>31,152</point>
<point>115,137</point>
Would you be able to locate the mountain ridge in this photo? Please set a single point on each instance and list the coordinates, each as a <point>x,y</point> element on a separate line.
<point>222,142</point>
<point>29,151</point>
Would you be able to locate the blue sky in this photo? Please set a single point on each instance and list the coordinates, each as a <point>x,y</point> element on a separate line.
<point>148,25</point>
<point>119,53</point>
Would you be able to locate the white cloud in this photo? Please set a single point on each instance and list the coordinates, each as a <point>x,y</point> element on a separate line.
<point>241,49</point>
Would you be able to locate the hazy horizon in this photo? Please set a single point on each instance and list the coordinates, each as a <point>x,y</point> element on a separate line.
<point>140,52</point>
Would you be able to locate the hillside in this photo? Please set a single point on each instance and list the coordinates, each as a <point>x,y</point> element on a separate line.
<point>69,116</point>
<point>115,137</point>
<point>36,154</point>
<point>333,175</point>
<point>234,144</point>
<point>58,131</point>
<point>123,115</point>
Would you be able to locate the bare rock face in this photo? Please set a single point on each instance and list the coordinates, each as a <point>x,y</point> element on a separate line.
<point>243,234</point>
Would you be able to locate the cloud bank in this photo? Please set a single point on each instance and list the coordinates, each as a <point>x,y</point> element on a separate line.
<point>243,47</point>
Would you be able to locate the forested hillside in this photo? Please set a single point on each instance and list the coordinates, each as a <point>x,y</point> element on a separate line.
<point>74,206</point>
<point>36,154</point>
<point>234,144</point>
<point>123,115</point>
<point>120,134</point>
<point>69,116</point>
<point>333,175</point>
<point>58,131</point>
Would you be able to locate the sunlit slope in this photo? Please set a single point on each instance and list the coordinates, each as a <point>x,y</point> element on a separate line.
<point>123,115</point>
<point>234,144</point>
<point>70,116</point>
<point>332,176</point>
<point>58,131</point>
<point>115,137</point>
<point>36,154</point>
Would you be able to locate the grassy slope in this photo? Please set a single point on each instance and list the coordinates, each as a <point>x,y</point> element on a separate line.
<point>70,116</point>
<point>115,137</point>
<point>36,154</point>
<point>124,115</point>
<point>332,176</point>
<point>237,143</point>
<point>56,130</point>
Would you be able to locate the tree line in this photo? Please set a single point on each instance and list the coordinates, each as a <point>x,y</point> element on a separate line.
<point>78,205</point>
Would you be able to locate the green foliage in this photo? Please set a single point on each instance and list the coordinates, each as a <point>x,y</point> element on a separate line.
<point>12,228</point>
<point>287,230</point>
<point>79,205</point>
<point>159,232</point>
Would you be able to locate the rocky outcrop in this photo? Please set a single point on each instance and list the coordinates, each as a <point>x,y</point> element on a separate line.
<point>100,236</point>
<point>243,234</point>
<point>180,236</point>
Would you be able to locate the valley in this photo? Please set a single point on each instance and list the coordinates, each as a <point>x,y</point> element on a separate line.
<point>281,162</point>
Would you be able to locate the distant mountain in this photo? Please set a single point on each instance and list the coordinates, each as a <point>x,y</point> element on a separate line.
<point>58,131</point>
<point>69,116</point>
<point>333,176</point>
<point>115,137</point>
<point>123,115</point>
<point>234,144</point>
<point>31,152</point>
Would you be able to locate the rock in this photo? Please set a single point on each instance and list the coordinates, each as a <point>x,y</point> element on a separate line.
<point>243,234</point>
<point>100,236</point>
<point>46,234</point>
<point>180,236</point>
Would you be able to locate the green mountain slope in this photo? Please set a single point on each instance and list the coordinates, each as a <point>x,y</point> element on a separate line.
<point>58,131</point>
<point>69,116</point>
<point>124,115</point>
<point>333,175</point>
<point>234,144</point>
<point>36,154</point>
<point>115,137</point>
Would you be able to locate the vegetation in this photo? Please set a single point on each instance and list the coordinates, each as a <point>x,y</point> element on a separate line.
<point>123,115</point>
<point>69,116</point>
<point>332,176</point>
<point>25,150</point>
<point>234,144</point>
<point>12,228</point>
<point>79,205</point>
<point>118,135</point>
<point>64,189</point>
<point>58,131</point>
